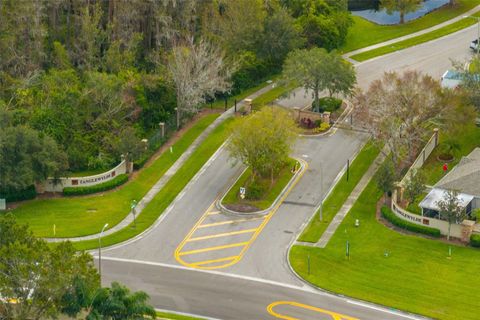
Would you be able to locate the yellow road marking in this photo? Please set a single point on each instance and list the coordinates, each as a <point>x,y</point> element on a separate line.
<point>252,239</point>
<point>233,245</point>
<point>215,260</point>
<point>219,235</point>
<point>334,315</point>
<point>211,213</point>
<point>228,222</point>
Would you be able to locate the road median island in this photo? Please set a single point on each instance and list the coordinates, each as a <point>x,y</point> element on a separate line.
<point>169,192</point>
<point>339,194</point>
<point>449,29</point>
<point>392,269</point>
<point>265,196</point>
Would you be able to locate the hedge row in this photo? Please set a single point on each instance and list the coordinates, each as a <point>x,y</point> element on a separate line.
<point>18,195</point>
<point>475,240</point>
<point>390,216</point>
<point>76,191</point>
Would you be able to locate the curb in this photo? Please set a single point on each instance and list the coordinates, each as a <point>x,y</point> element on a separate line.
<point>344,114</point>
<point>224,210</point>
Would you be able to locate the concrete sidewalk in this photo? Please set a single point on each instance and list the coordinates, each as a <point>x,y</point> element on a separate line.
<point>411,35</point>
<point>352,198</point>
<point>166,177</point>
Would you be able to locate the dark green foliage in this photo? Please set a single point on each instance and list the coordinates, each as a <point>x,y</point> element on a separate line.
<point>390,216</point>
<point>11,195</point>
<point>254,191</point>
<point>329,104</point>
<point>250,72</point>
<point>115,182</point>
<point>475,240</point>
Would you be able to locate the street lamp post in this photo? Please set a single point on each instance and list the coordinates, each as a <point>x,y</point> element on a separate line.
<point>133,206</point>
<point>478,31</point>
<point>100,251</point>
<point>178,117</point>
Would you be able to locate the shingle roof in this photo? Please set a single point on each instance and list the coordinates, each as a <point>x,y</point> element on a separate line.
<point>465,176</point>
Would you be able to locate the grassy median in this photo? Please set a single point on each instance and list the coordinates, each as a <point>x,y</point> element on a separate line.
<point>81,216</point>
<point>459,25</point>
<point>400,271</point>
<point>169,192</point>
<point>364,33</point>
<point>339,194</point>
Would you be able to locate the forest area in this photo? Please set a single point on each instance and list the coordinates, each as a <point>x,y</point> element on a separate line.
<point>83,81</point>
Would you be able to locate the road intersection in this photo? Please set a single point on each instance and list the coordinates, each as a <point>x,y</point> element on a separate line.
<point>262,277</point>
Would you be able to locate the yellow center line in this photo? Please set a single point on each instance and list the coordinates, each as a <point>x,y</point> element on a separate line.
<point>211,213</point>
<point>334,315</point>
<point>228,222</point>
<point>233,245</point>
<point>213,261</point>
<point>219,235</point>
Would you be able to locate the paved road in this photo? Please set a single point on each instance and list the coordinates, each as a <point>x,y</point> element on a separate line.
<point>231,297</point>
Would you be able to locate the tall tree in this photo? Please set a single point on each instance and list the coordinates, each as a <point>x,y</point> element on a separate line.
<point>451,209</point>
<point>402,6</point>
<point>198,71</point>
<point>263,141</point>
<point>385,178</point>
<point>317,70</point>
<point>415,185</point>
<point>400,111</point>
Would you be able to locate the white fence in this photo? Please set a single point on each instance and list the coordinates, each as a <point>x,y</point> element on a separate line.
<point>57,185</point>
<point>423,156</point>
<point>455,231</point>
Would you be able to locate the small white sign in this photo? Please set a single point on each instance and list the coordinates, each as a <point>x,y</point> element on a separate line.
<point>242,190</point>
<point>3,204</point>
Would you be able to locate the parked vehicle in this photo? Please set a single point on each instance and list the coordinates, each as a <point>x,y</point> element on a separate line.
<point>474,45</point>
<point>451,79</point>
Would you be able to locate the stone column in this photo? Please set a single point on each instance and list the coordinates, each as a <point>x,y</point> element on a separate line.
<point>467,228</point>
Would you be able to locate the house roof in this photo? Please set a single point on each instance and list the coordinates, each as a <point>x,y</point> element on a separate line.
<point>435,195</point>
<point>465,176</point>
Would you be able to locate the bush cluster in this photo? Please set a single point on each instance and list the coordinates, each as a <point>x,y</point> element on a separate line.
<point>475,240</point>
<point>322,127</point>
<point>76,191</point>
<point>329,104</point>
<point>390,216</point>
<point>12,195</point>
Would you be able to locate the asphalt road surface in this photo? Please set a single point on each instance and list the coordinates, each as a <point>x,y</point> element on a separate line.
<point>234,294</point>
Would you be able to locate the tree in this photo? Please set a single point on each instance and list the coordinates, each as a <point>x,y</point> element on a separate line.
<point>401,110</point>
<point>118,303</point>
<point>415,185</point>
<point>198,71</point>
<point>317,70</point>
<point>28,157</point>
<point>38,277</point>
<point>263,141</point>
<point>402,6</point>
<point>385,178</point>
<point>451,209</point>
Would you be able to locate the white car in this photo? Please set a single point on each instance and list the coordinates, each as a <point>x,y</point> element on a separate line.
<point>474,45</point>
<point>451,79</point>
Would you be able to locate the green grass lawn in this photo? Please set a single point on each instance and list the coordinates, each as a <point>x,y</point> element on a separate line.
<point>468,140</point>
<point>339,194</point>
<point>174,316</point>
<point>168,193</point>
<point>364,33</point>
<point>459,25</point>
<point>86,215</point>
<point>271,192</point>
<point>416,276</point>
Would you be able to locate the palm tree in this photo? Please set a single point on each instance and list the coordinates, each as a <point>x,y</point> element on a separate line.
<point>118,303</point>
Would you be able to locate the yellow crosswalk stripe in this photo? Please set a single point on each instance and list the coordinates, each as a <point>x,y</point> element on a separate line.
<point>219,235</point>
<point>232,245</point>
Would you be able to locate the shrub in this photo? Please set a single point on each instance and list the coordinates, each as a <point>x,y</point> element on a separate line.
<point>475,240</point>
<point>255,191</point>
<point>329,104</point>
<point>140,162</point>
<point>322,128</point>
<point>76,191</point>
<point>11,195</point>
<point>390,216</point>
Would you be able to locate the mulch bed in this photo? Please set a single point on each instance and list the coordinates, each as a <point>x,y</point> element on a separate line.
<point>238,207</point>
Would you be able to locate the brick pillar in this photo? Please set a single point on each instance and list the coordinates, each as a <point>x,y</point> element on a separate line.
<point>467,228</point>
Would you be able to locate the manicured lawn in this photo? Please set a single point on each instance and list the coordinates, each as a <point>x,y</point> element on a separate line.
<point>468,140</point>
<point>271,192</point>
<point>174,316</point>
<point>365,33</point>
<point>416,276</point>
<point>168,193</point>
<point>339,194</point>
<point>459,25</point>
<point>86,215</point>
